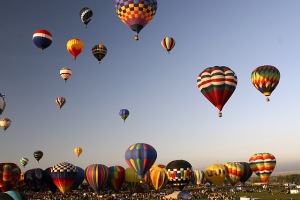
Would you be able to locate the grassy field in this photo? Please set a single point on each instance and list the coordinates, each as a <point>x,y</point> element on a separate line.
<point>269,196</point>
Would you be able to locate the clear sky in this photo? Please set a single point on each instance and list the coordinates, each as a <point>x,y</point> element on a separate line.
<point>159,89</point>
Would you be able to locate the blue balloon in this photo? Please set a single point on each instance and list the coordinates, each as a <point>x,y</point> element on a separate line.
<point>124,113</point>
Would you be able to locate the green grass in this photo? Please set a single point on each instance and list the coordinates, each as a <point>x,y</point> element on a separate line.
<point>269,196</point>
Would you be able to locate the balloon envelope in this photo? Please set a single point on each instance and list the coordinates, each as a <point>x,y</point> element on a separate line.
<point>48,179</point>
<point>99,51</point>
<point>34,179</point>
<point>5,123</point>
<point>78,151</point>
<point>38,155</point>
<point>9,176</point>
<point>2,103</point>
<point>132,179</point>
<point>60,101</point>
<point>24,161</point>
<point>262,164</point>
<point>75,47</point>
<point>42,39</point>
<point>124,113</point>
<point>86,15</point>
<point>97,176</point>
<point>215,173</point>
<point>79,178</point>
<point>168,43</point>
<point>233,172</point>
<point>247,172</point>
<point>116,177</point>
<point>158,176</point>
<point>65,73</point>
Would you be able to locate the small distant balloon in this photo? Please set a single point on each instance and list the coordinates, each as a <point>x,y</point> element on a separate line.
<point>24,161</point>
<point>42,39</point>
<point>75,47</point>
<point>86,15</point>
<point>99,51</point>
<point>60,101</point>
<point>124,113</point>
<point>65,73</point>
<point>77,151</point>
<point>38,155</point>
<point>168,43</point>
<point>5,123</point>
<point>2,103</point>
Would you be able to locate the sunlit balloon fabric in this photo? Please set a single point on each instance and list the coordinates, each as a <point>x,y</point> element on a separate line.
<point>86,15</point>
<point>9,175</point>
<point>116,177</point>
<point>2,103</point>
<point>124,113</point>
<point>77,151</point>
<point>97,176</point>
<point>64,175</point>
<point>198,177</point>
<point>136,14</point>
<point>65,73</point>
<point>140,157</point>
<point>5,123</point>
<point>215,173</point>
<point>132,179</point>
<point>233,172</point>
<point>24,161</point>
<point>217,84</point>
<point>168,43</point>
<point>99,51</point>
<point>75,47</point>
<point>158,176</point>
<point>262,164</point>
<point>38,155</point>
<point>42,39</point>
<point>265,78</point>
<point>60,101</point>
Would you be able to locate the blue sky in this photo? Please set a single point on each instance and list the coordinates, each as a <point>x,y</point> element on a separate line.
<point>159,89</point>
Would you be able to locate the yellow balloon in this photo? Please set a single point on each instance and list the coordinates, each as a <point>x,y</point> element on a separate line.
<point>132,179</point>
<point>78,151</point>
<point>158,176</point>
<point>215,173</point>
<point>75,47</point>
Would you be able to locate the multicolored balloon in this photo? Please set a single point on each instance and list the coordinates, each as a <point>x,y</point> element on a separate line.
<point>234,172</point>
<point>140,157</point>
<point>34,179</point>
<point>24,161</point>
<point>158,176</point>
<point>124,113</point>
<point>132,179</point>
<point>263,164</point>
<point>38,155</point>
<point>215,173</point>
<point>75,47</point>
<point>42,39</point>
<point>9,176</point>
<point>217,84</point>
<point>60,101</point>
<point>5,123</point>
<point>168,43</point>
<point>2,103</point>
<point>77,151</point>
<point>116,177</point>
<point>136,14</point>
<point>99,51</point>
<point>97,176</point>
<point>247,172</point>
<point>198,177</point>
<point>86,15</point>
<point>65,73</point>
<point>64,175</point>
<point>180,173</point>
<point>265,78</point>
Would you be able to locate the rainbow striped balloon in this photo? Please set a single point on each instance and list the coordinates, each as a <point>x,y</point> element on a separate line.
<point>96,175</point>
<point>116,177</point>
<point>168,43</point>
<point>262,164</point>
<point>234,172</point>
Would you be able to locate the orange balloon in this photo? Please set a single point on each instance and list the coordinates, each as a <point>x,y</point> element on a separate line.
<point>75,47</point>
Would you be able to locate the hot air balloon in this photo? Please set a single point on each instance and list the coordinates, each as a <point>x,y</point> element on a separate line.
<point>233,172</point>
<point>75,47</point>
<point>140,157</point>
<point>198,177</point>
<point>217,84</point>
<point>9,176</point>
<point>24,161</point>
<point>158,176</point>
<point>5,123</point>
<point>265,78</point>
<point>86,15</point>
<point>48,180</point>
<point>42,39</point>
<point>65,73</point>
<point>34,179</point>
<point>38,155</point>
<point>124,113</point>
<point>64,175</point>
<point>79,178</point>
<point>77,151</point>
<point>2,103</point>
<point>179,173</point>
<point>97,176</point>
<point>116,177</point>
<point>136,14</point>
<point>99,51</point>
<point>215,173</point>
<point>168,43</point>
<point>247,172</point>
<point>262,164</point>
<point>60,101</point>
<point>132,179</point>
<point>15,195</point>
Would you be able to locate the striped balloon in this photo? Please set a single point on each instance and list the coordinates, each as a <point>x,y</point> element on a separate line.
<point>116,177</point>
<point>168,43</point>
<point>158,176</point>
<point>132,179</point>
<point>86,15</point>
<point>65,73</point>
<point>198,177</point>
<point>42,39</point>
<point>64,175</point>
<point>233,172</point>
<point>38,155</point>
<point>140,157</point>
<point>60,101</point>
<point>247,172</point>
<point>262,164</point>
<point>97,176</point>
<point>217,84</point>
<point>9,176</point>
<point>24,161</point>
<point>265,78</point>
